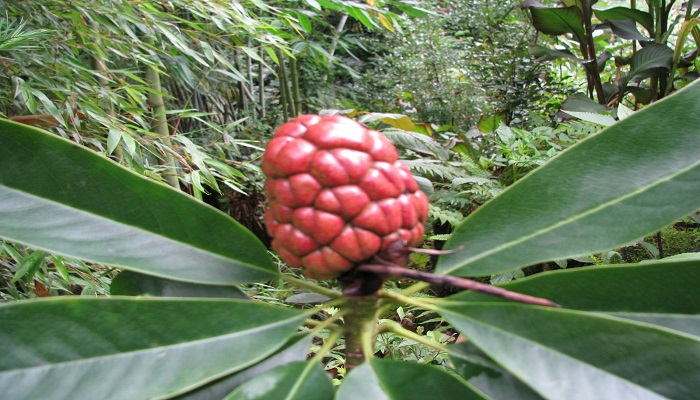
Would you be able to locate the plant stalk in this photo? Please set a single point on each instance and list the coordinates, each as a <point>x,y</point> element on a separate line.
<point>99,64</point>
<point>285,98</point>
<point>464,283</point>
<point>360,329</point>
<point>296,97</point>
<point>261,84</point>
<point>160,123</point>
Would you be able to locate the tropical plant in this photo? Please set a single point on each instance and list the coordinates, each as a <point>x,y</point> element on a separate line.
<point>621,331</point>
<point>648,73</point>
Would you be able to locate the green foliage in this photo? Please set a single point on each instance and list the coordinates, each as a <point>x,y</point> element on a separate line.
<point>600,343</point>
<point>462,62</point>
<point>647,63</point>
<point>181,92</point>
<point>675,239</point>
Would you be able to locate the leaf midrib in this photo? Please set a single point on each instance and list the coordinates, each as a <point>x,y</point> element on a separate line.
<point>572,219</point>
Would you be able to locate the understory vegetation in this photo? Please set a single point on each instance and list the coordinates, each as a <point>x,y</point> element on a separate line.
<point>552,139</point>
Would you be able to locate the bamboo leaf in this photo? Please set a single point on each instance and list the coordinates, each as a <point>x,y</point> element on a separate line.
<point>647,164</point>
<point>66,199</point>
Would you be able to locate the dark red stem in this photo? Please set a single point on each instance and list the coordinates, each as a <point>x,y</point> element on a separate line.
<point>464,283</point>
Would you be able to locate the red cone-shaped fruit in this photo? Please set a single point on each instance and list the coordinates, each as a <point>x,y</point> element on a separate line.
<point>338,196</point>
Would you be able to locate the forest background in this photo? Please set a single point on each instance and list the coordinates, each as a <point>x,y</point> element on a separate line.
<point>475,94</point>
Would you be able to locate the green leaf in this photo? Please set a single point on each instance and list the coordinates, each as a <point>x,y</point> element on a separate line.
<point>620,13</point>
<point>66,199</point>
<point>296,349</point>
<point>379,379</point>
<point>659,292</point>
<point>600,119</point>
<point>417,142</point>
<point>489,123</point>
<point>29,265</point>
<point>624,28</point>
<point>647,164</point>
<point>124,348</point>
<point>61,267</point>
<point>486,376</point>
<point>557,20</point>
<point>545,54</point>
<point>307,298</point>
<point>612,358</point>
<point>130,283</point>
<point>302,380</point>
<point>582,103</point>
<point>649,61</point>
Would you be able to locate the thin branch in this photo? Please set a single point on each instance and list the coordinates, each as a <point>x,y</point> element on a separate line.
<point>395,327</point>
<point>415,288</point>
<point>400,298</point>
<point>326,324</point>
<point>310,286</point>
<point>464,283</point>
<point>327,347</point>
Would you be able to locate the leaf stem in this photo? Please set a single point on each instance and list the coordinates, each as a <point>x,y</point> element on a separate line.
<point>395,327</point>
<point>326,348</point>
<point>321,325</point>
<point>310,286</point>
<point>400,298</point>
<point>464,283</point>
<point>360,329</point>
<point>415,288</point>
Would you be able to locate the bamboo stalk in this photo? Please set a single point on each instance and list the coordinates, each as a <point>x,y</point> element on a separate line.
<point>242,100</point>
<point>249,76</point>
<point>295,86</point>
<point>99,64</point>
<point>261,84</point>
<point>159,126</point>
<point>285,98</point>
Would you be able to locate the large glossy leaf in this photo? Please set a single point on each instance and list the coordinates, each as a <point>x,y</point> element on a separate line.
<point>624,28</point>
<point>649,61</point>
<point>556,20</point>
<point>124,348</point>
<point>566,354</point>
<point>662,292</point>
<point>379,379</point>
<point>295,350</point>
<point>582,103</point>
<point>610,189</point>
<point>621,13</point>
<point>547,54</point>
<point>485,375</point>
<point>64,198</point>
<point>294,381</point>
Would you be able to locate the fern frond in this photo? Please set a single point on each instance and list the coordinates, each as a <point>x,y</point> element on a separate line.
<point>453,218</point>
<point>433,169</point>
<point>417,142</point>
